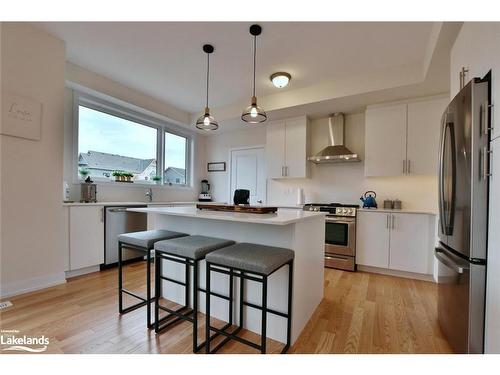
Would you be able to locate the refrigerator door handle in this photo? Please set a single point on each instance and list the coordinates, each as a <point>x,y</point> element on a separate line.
<point>441,176</point>
<point>449,262</point>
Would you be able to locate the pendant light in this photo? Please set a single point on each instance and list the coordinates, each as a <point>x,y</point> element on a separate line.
<point>253,114</point>
<point>207,122</point>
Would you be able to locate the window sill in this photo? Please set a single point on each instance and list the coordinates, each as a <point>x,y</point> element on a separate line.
<point>141,185</point>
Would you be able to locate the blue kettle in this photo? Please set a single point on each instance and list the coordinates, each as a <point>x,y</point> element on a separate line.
<point>368,199</point>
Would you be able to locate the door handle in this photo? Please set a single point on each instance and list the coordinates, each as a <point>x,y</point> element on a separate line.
<point>117,210</point>
<point>387,222</point>
<point>282,171</point>
<point>259,201</point>
<point>404,166</point>
<point>392,219</point>
<point>448,262</point>
<point>408,167</point>
<point>486,162</point>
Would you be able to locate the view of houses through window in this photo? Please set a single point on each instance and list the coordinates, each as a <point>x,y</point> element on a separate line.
<point>109,146</point>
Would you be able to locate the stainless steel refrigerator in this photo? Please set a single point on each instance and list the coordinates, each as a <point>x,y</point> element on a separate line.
<point>463,217</point>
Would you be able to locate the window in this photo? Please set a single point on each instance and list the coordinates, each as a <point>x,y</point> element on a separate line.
<point>113,141</point>
<point>175,159</point>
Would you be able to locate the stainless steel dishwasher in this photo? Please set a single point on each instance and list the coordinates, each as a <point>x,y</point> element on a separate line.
<point>117,221</point>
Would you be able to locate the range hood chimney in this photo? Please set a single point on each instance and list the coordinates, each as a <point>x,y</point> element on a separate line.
<point>336,152</point>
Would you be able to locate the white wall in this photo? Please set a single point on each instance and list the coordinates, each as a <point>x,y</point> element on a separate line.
<point>328,183</point>
<point>112,192</point>
<point>477,48</point>
<point>33,229</point>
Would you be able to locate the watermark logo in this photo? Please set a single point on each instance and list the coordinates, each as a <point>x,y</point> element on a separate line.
<point>11,340</point>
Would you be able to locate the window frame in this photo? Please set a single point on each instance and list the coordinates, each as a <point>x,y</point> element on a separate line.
<point>130,114</point>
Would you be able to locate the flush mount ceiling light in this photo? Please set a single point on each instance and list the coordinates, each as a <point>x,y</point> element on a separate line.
<point>280,79</point>
<point>253,114</point>
<point>207,122</point>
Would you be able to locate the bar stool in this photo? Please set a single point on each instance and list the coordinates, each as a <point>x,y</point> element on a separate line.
<point>188,251</point>
<point>249,262</point>
<point>144,242</point>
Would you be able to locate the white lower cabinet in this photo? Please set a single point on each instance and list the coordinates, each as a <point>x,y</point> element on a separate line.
<point>86,236</point>
<point>395,241</point>
<point>372,239</point>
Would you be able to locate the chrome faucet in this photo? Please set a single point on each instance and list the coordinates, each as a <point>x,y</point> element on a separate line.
<point>149,194</point>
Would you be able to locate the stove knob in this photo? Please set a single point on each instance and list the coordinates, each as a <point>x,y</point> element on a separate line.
<point>344,211</point>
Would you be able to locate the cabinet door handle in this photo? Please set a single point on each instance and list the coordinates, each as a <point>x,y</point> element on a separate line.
<point>387,222</point>
<point>282,169</point>
<point>404,166</point>
<point>286,170</point>
<point>408,168</point>
<point>102,215</point>
<point>486,163</point>
<point>392,218</point>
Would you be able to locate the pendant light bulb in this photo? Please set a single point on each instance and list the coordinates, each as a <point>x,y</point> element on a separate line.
<point>253,114</point>
<point>205,121</point>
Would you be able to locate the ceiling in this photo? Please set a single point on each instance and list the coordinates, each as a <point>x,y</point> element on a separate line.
<point>165,60</point>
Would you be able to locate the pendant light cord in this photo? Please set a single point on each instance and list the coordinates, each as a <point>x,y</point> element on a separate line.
<point>208,72</point>
<point>254,60</point>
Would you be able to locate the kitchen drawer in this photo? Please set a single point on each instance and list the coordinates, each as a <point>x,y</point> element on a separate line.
<point>340,262</point>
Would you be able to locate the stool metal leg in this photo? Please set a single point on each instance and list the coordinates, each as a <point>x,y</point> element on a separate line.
<point>242,291</point>
<point>195,306</point>
<point>148,286</point>
<point>207,310</point>
<point>289,312</point>
<point>231,292</point>
<point>264,316</point>
<point>157,291</point>
<point>120,279</point>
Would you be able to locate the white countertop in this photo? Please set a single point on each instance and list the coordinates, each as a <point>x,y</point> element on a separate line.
<point>282,217</point>
<point>137,203</point>
<point>394,211</point>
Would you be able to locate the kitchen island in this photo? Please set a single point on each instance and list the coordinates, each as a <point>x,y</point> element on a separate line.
<point>301,231</point>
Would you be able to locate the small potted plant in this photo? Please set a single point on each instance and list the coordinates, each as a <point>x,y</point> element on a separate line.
<point>128,176</point>
<point>157,179</point>
<point>84,172</point>
<point>118,175</point>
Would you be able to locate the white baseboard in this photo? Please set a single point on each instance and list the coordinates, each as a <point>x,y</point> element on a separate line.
<point>407,275</point>
<point>82,271</point>
<point>30,285</point>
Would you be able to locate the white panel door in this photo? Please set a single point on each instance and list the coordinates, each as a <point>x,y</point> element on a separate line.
<point>296,147</point>
<point>492,325</point>
<point>424,119</point>
<point>275,149</point>
<point>248,171</point>
<point>410,245</point>
<point>385,140</point>
<point>86,236</point>
<point>372,239</point>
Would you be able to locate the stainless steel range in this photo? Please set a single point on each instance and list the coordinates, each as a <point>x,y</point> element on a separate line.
<point>340,234</point>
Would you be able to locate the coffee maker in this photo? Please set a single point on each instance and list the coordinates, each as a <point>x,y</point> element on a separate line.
<point>205,195</point>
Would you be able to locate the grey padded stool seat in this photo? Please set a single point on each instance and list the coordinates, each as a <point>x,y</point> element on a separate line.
<point>249,262</point>
<point>144,242</point>
<point>188,251</point>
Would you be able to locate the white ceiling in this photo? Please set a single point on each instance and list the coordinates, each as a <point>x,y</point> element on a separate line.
<point>165,60</point>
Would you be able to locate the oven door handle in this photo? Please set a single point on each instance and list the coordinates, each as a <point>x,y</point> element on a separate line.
<point>348,222</point>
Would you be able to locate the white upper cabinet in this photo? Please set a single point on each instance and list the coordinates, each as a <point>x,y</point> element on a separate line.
<point>287,148</point>
<point>424,119</point>
<point>275,148</point>
<point>402,139</point>
<point>385,140</point>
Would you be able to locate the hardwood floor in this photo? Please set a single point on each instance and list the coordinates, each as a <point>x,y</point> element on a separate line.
<point>360,313</point>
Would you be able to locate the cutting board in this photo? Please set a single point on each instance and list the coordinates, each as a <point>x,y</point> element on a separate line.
<point>238,208</point>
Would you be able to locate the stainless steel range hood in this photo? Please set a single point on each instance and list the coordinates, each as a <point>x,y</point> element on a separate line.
<point>336,152</point>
